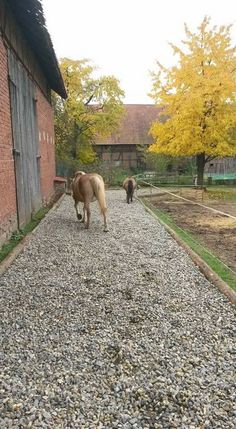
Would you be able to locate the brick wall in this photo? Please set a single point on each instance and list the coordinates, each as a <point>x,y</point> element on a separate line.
<point>8,212</point>
<point>46,146</point>
<point>8,209</point>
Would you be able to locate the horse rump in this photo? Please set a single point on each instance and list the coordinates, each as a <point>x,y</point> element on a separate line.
<point>129,185</point>
<point>87,187</point>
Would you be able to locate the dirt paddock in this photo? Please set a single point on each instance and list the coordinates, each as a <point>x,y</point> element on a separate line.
<point>214,231</point>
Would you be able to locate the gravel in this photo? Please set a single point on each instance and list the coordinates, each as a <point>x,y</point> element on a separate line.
<point>113,330</point>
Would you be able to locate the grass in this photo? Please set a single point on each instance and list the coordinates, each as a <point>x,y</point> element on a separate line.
<point>17,236</point>
<point>212,261</point>
<point>222,194</point>
<point>215,193</point>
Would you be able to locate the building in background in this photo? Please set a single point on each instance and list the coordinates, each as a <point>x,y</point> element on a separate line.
<point>124,148</point>
<point>221,166</point>
<point>28,72</point>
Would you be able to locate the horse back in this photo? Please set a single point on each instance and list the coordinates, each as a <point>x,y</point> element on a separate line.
<point>85,187</point>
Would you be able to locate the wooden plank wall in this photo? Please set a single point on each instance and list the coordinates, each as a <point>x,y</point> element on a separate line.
<point>25,140</point>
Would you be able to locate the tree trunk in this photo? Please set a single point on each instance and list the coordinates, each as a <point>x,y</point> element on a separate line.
<point>74,149</point>
<point>74,145</point>
<point>200,162</point>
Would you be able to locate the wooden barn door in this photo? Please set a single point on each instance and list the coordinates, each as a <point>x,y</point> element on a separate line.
<point>25,138</point>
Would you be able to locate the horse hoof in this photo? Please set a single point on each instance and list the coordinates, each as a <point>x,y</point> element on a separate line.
<point>105,230</point>
<point>79,216</point>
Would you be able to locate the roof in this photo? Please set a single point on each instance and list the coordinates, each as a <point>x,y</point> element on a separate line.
<point>30,17</point>
<point>135,126</point>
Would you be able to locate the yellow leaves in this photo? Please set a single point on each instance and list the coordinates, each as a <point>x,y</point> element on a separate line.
<point>94,107</point>
<point>198,96</point>
<point>86,154</point>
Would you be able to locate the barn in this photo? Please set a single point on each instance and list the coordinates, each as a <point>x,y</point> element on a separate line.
<point>123,148</point>
<point>28,72</point>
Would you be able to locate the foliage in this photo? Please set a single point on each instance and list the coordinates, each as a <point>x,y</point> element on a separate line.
<point>161,163</point>
<point>197,97</point>
<point>158,162</point>
<point>154,161</point>
<point>92,110</point>
<point>224,194</point>
<point>113,176</point>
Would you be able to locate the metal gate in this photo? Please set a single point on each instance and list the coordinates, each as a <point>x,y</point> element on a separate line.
<point>25,140</point>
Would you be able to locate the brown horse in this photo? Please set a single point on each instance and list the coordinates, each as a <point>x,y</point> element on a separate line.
<point>129,185</point>
<point>87,188</point>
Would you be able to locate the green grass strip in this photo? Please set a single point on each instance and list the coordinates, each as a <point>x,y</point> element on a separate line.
<point>18,235</point>
<point>222,194</point>
<point>212,261</point>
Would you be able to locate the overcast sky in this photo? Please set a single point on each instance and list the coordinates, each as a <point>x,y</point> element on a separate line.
<point>125,37</point>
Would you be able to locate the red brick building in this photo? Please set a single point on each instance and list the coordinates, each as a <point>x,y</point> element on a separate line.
<point>28,72</point>
<point>123,147</point>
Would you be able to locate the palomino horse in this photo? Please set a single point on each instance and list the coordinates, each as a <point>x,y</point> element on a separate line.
<point>87,188</point>
<point>129,185</point>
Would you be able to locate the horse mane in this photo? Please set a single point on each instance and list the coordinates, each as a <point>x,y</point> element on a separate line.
<point>77,173</point>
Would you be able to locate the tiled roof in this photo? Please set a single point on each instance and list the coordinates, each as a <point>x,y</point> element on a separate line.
<point>134,126</point>
<point>29,15</point>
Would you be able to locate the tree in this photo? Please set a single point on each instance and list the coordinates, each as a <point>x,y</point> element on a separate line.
<point>156,161</point>
<point>93,109</point>
<point>197,97</point>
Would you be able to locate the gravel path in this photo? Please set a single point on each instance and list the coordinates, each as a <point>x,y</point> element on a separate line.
<point>116,330</point>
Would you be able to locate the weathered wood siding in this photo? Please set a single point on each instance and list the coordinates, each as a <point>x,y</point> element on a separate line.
<point>124,156</point>
<point>221,166</point>
<point>25,140</point>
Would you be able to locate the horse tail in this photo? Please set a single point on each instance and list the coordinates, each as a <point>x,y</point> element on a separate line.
<point>99,190</point>
<point>130,186</point>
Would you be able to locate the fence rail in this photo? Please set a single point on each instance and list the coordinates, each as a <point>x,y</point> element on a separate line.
<point>186,180</point>
<point>189,201</point>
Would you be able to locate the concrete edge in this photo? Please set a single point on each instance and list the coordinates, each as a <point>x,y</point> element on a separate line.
<point>203,266</point>
<point>5,264</point>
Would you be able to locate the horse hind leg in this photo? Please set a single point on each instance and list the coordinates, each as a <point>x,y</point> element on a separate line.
<point>79,216</point>
<point>84,215</point>
<point>88,212</point>
<point>104,213</point>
